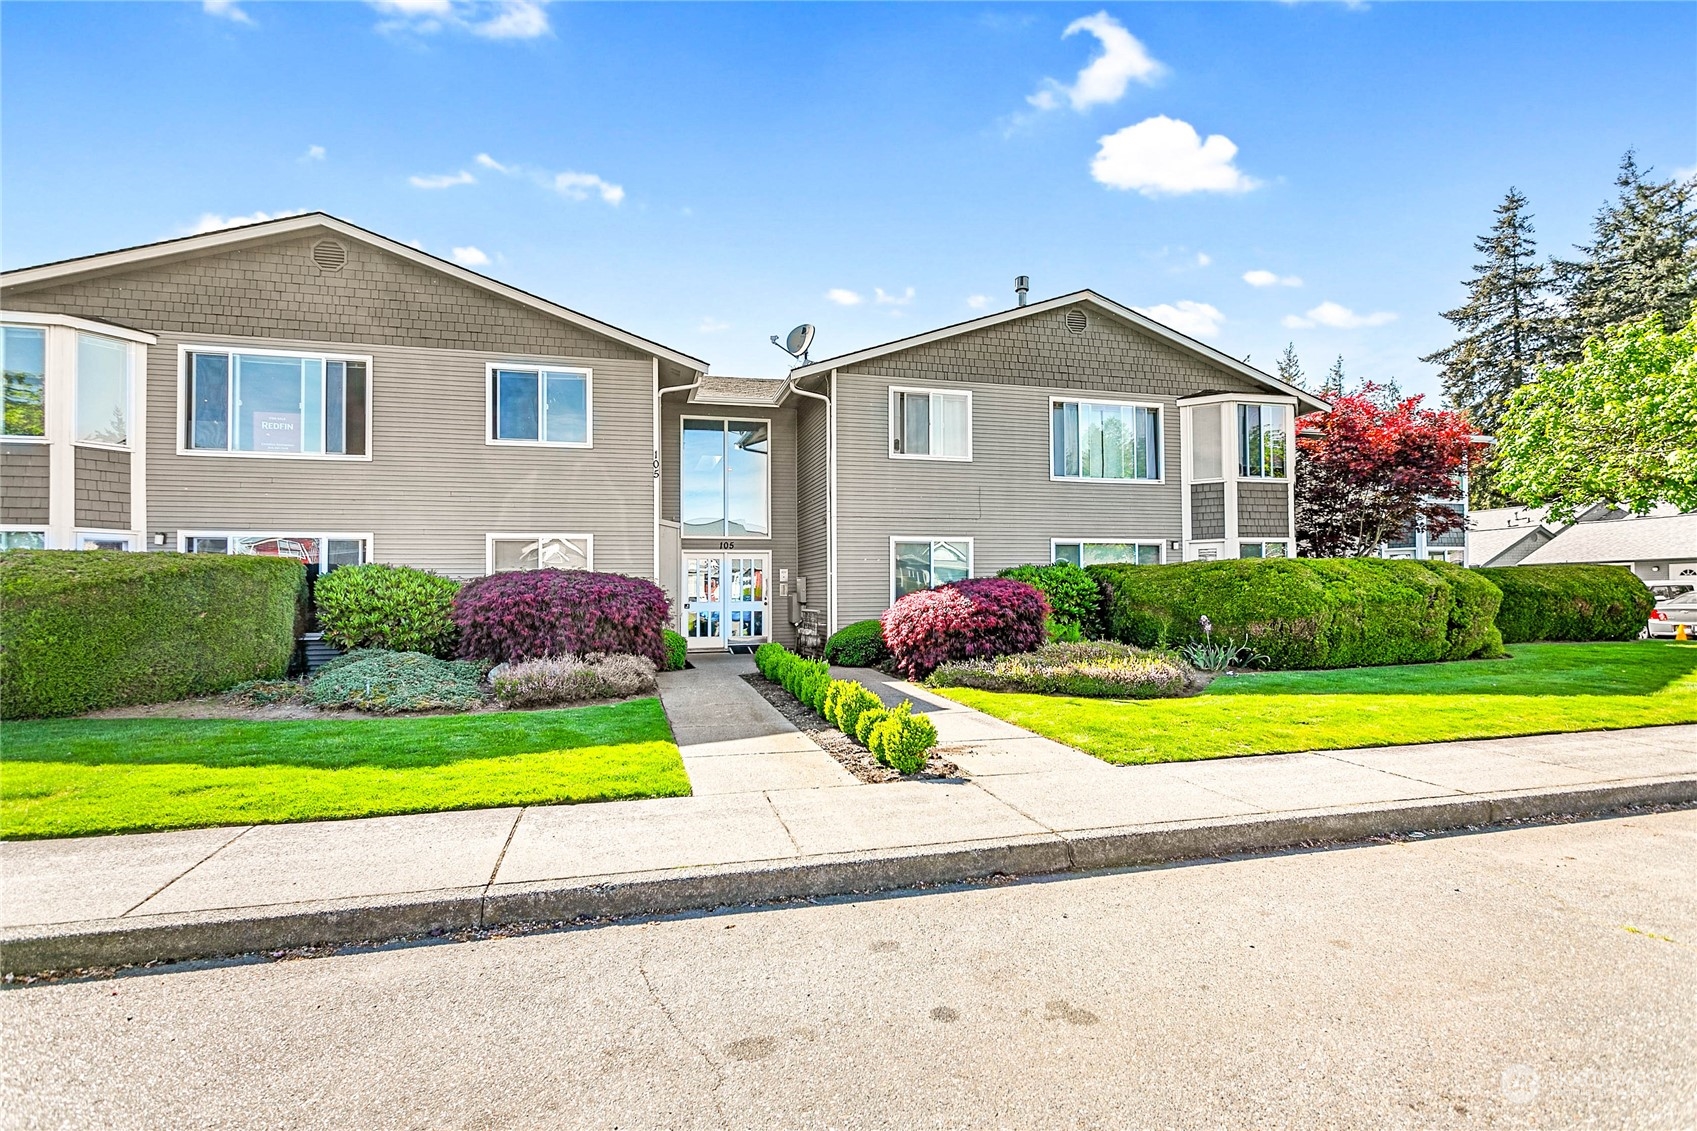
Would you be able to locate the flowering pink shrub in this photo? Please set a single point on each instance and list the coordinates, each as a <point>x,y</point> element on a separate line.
<point>529,614</point>
<point>973,619</point>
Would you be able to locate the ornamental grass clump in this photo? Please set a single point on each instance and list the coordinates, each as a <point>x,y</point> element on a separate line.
<point>387,606</point>
<point>568,679</point>
<point>1096,669</point>
<point>979,618</point>
<point>390,683</point>
<point>532,614</point>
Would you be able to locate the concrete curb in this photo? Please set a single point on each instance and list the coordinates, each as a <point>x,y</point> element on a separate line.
<point>209,934</point>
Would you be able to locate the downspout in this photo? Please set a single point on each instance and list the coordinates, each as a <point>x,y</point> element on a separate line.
<point>830,499</point>
<point>658,393</point>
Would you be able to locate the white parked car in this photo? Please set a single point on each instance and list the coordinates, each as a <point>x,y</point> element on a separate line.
<point>1668,615</point>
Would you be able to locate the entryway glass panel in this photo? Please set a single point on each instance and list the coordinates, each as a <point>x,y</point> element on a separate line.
<point>725,599</point>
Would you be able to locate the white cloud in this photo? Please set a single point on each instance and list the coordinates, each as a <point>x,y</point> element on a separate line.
<point>1685,173</point>
<point>212,222</point>
<point>470,257</point>
<point>1198,319</point>
<point>1163,156</point>
<point>884,298</point>
<point>578,186</point>
<point>489,162</point>
<point>314,153</point>
<point>226,10</point>
<point>842,296</point>
<point>978,302</point>
<point>1203,259</point>
<point>712,326</point>
<point>1104,78</point>
<point>490,19</point>
<point>1336,317</point>
<point>1264,278</point>
<point>442,180</point>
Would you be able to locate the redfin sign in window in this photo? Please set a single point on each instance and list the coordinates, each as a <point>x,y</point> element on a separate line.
<point>276,432</point>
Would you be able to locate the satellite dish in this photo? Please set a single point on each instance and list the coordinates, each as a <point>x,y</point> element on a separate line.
<point>796,342</point>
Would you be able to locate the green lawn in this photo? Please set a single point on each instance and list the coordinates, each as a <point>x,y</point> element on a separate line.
<point>1542,689</point>
<point>74,777</point>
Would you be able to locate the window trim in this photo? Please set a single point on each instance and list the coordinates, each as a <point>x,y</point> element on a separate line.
<point>726,419</point>
<point>539,368</point>
<point>180,420</point>
<point>280,532</point>
<point>890,450</point>
<point>1236,462</point>
<point>489,541</point>
<point>129,445</point>
<point>88,532</point>
<point>1080,398</point>
<point>42,529</point>
<point>1160,545</point>
<point>971,555</point>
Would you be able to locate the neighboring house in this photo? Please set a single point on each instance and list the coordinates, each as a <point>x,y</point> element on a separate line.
<point>1659,547</point>
<point>1503,536</point>
<point>305,387</point>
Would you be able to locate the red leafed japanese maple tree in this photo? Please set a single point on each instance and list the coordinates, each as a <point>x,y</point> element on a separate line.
<point>1373,466</point>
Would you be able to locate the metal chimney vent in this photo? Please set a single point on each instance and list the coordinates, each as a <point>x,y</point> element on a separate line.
<point>329,255</point>
<point>1021,284</point>
<point>1076,321</point>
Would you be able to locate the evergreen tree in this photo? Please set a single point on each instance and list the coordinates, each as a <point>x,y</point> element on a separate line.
<point>1642,260</point>
<point>1290,369</point>
<point>1334,383</point>
<point>1506,323</point>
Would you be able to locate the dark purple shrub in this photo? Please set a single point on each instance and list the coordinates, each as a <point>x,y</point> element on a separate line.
<point>529,614</point>
<point>974,619</point>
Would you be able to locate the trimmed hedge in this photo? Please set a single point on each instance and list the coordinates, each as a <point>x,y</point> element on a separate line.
<point>86,629</point>
<point>973,619</point>
<point>896,738</point>
<point>1570,602</point>
<point>1299,612</point>
<point>1474,601</point>
<point>858,645</point>
<point>1074,597</point>
<point>387,606</point>
<point>900,739</point>
<point>531,614</point>
<point>677,650</point>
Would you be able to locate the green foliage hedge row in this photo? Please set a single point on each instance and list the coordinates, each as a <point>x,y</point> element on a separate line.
<point>1474,600</point>
<point>387,606</point>
<point>858,645</point>
<point>1074,597</point>
<point>1569,602</point>
<point>86,629</point>
<point>896,737</point>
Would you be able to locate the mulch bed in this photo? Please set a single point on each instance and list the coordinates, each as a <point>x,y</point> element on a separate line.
<point>855,758</point>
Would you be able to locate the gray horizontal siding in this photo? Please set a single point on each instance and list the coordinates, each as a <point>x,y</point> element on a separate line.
<point>102,488</point>
<point>24,484</point>
<point>812,503</point>
<point>1263,510</point>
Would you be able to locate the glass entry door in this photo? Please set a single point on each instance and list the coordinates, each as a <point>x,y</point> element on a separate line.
<point>725,599</point>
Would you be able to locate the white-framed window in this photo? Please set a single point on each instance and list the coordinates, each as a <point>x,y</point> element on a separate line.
<point>1263,549</point>
<point>274,403</point>
<point>1083,553</point>
<point>25,383</point>
<point>325,550</point>
<point>724,473</point>
<point>1207,443</point>
<point>925,563</point>
<point>103,392</point>
<point>105,540</point>
<point>1263,432</point>
<point>1109,441</point>
<point>1400,555</point>
<point>23,538</point>
<point>1450,555</point>
<point>550,405</point>
<point>508,552</point>
<point>930,424</point>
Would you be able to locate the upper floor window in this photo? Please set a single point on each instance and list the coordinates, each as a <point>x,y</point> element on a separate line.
<point>928,424</point>
<point>1107,553</point>
<point>276,403</point>
<point>1207,454</point>
<point>1104,440</point>
<point>26,381</point>
<point>103,391</point>
<point>725,484</point>
<point>539,406</point>
<point>1261,439</point>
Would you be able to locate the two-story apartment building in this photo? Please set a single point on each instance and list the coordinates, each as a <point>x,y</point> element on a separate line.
<point>306,387</point>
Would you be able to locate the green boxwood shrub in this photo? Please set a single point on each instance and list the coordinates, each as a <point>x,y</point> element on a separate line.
<point>387,606</point>
<point>1074,596</point>
<point>867,722</point>
<point>1570,602</point>
<point>1298,612</point>
<point>86,629</point>
<point>858,645</point>
<point>388,683</point>
<point>1474,601</point>
<point>677,650</point>
<point>851,704</point>
<point>901,739</point>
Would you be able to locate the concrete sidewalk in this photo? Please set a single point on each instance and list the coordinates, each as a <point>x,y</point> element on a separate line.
<point>774,817</point>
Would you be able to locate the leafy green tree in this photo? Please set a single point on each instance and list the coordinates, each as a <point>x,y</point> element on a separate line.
<point>1618,426</point>
<point>1290,369</point>
<point>1643,258</point>
<point>1506,323</point>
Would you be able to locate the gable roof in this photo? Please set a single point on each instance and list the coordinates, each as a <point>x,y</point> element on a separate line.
<point>229,239</point>
<point>1624,539</point>
<point>1077,298</point>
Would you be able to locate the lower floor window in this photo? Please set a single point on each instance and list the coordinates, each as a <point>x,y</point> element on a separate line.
<point>100,540</point>
<point>508,552</point>
<point>926,563</point>
<point>326,551</point>
<point>1107,553</point>
<point>1445,556</point>
<point>1263,550</point>
<point>23,539</point>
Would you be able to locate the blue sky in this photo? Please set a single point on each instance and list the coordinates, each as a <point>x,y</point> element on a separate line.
<point>707,175</point>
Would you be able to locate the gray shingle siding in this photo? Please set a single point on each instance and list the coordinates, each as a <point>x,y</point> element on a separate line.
<point>24,484</point>
<point>1263,510</point>
<point>102,489</point>
<point>1207,510</point>
<point>812,479</point>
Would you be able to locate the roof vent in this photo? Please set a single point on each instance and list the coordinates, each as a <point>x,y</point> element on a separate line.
<point>1076,321</point>
<point>329,255</point>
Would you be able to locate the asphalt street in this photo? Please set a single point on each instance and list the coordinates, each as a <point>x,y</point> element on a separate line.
<point>1539,976</point>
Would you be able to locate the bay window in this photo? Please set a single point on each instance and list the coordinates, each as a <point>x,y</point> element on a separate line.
<point>103,391</point>
<point>1261,439</point>
<point>1104,440</point>
<point>929,424</point>
<point>508,552</point>
<point>1106,553</point>
<point>539,406</point>
<point>925,563</point>
<point>276,404</point>
<point>724,478</point>
<point>26,381</point>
